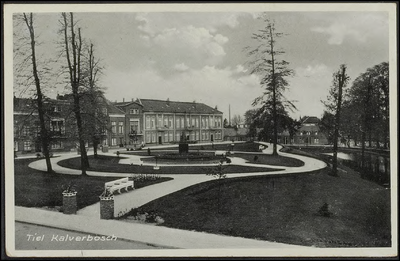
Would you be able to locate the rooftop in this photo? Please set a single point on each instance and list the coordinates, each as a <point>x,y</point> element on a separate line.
<point>151,105</point>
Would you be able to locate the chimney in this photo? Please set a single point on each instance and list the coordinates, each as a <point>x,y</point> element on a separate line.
<point>123,99</point>
<point>132,99</point>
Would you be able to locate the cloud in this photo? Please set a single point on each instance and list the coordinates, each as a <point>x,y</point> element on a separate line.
<point>192,39</point>
<point>181,67</point>
<point>312,70</point>
<point>353,26</point>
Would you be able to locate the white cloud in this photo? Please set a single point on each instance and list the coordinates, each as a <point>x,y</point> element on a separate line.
<point>357,27</point>
<point>311,70</point>
<point>181,67</point>
<point>240,68</point>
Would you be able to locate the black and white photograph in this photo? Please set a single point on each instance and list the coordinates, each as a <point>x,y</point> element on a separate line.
<point>200,130</point>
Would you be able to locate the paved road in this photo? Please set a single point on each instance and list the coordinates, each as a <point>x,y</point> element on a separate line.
<point>51,239</point>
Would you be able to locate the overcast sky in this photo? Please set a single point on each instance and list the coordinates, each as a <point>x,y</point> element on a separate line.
<point>198,56</point>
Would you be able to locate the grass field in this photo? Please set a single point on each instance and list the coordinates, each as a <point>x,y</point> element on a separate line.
<point>35,188</point>
<point>284,209</point>
<point>270,160</point>
<point>110,164</point>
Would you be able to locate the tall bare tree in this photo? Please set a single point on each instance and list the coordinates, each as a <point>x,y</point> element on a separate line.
<point>273,71</point>
<point>334,105</point>
<point>44,133</point>
<point>72,44</point>
<point>93,103</point>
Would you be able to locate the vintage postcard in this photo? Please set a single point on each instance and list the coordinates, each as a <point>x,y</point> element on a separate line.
<point>200,130</point>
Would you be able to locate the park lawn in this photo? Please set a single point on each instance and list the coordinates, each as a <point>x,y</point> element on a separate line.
<point>35,188</point>
<point>284,209</point>
<point>242,146</point>
<point>110,164</point>
<point>270,159</point>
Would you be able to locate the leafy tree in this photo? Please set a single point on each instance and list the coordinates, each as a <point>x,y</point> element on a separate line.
<point>273,71</point>
<point>327,124</point>
<point>334,105</point>
<point>237,120</point>
<point>226,123</point>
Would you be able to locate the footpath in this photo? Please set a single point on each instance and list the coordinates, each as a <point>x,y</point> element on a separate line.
<point>88,219</point>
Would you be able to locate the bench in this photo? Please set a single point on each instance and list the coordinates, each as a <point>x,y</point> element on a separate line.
<point>119,184</point>
<point>220,153</point>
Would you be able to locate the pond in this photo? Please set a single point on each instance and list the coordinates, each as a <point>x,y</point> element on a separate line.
<point>376,166</point>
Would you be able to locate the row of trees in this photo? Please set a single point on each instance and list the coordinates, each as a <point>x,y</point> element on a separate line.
<point>359,113</point>
<point>81,69</point>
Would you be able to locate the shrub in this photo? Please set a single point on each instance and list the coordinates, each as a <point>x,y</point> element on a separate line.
<point>324,210</point>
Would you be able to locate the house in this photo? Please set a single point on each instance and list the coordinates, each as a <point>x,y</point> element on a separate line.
<point>308,134</point>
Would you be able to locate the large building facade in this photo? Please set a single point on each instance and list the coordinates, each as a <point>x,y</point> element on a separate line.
<point>126,124</point>
<point>148,121</point>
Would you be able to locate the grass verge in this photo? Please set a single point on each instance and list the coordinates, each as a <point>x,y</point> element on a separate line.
<point>110,164</point>
<point>284,209</point>
<point>35,188</point>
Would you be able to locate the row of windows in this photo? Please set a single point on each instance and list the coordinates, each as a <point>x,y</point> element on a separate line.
<point>181,122</point>
<point>27,145</point>
<point>308,133</point>
<point>168,136</point>
<point>56,126</point>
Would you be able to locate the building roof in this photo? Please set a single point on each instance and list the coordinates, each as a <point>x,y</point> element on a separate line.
<point>150,105</point>
<point>231,132</point>
<point>310,120</point>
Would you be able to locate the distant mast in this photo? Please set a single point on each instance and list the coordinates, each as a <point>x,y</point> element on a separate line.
<point>229,115</point>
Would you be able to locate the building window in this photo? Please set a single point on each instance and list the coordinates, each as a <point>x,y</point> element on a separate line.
<point>134,111</point>
<point>113,141</point>
<point>165,121</point>
<point>182,122</point>
<point>202,136</point>
<point>177,136</point>
<point>153,122</point>
<point>171,136</point>
<point>147,122</point>
<point>166,136</point>
<point>104,110</point>
<point>170,122</point>
<point>178,121</point>
<point>113,127</point>
<point>153,137</point>
<point>57,145</point>
<point>57,126</point>
<point>134,127</point>
<point>26,131</point>
<point>148,137</point>
<point>159,121</point>
<point>27,146</point>
<point>120,127</point>
<point>316,141</point>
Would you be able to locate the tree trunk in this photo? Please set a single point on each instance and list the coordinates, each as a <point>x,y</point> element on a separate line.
<point>274,109</point>
<point>44,134</point>
<point>74,67</point>
<point>341,82</point>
